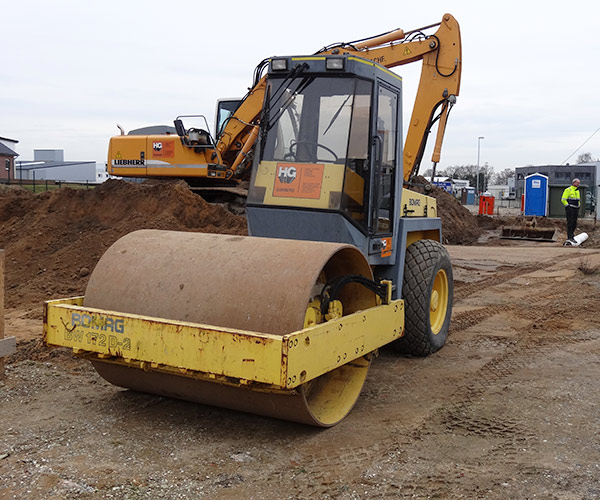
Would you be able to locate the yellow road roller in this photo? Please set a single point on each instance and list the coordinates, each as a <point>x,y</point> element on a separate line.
<point>341,260</point>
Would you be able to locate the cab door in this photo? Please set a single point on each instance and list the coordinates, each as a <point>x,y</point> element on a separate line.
<point>386,145</point>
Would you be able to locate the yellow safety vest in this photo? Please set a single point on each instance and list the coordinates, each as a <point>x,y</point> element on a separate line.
<point>571,197</point>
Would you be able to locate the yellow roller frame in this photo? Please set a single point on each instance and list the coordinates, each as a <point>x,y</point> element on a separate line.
<point>226,355</point>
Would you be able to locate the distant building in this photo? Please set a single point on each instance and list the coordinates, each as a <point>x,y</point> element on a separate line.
<point>499,191</point>
<point>452,186</point>
<point>49,164</point>
<point>503,191</point>
<point>458,186</point>
<point>445,183</point>
<point>7,158</point>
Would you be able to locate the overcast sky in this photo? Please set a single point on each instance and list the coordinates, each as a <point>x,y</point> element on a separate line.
<point>71,70</point>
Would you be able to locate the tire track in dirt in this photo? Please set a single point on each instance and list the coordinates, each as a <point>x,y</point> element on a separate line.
<point>539,311</point>
<point>501,275</point>
<point>460,413</point>
<point>466,319</point>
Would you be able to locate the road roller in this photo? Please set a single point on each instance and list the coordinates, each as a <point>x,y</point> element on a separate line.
<point>342,258</point>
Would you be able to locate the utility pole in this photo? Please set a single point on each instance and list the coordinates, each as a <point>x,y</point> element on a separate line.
<point>478,151</point>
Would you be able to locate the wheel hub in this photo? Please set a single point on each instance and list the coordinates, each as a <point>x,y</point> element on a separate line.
<point>435,300</point>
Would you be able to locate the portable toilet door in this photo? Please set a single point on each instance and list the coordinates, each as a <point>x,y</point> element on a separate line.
<point>536,195</point>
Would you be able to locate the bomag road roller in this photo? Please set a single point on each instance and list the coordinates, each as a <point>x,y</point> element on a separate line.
<point>342,259</point>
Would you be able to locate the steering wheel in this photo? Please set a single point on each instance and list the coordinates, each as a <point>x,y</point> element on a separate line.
<point>294,145</point>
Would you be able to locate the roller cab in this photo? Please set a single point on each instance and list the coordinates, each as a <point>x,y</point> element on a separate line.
<point>329,166</point>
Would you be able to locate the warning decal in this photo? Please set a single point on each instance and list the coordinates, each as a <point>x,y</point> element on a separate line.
<point>386,247</point>
<point>163,149</point>
<point>298,180</point>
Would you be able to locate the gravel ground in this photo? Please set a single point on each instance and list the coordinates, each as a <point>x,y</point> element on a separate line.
<point>508,409</point>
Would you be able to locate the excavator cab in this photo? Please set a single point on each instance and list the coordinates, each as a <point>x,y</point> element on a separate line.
<point>330,146</point>
<point>224,111</point>
<point>194,138</point>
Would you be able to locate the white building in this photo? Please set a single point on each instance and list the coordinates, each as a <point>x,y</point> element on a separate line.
<point>499,191</point>
<point>49,164</point>
<point>458,186</point>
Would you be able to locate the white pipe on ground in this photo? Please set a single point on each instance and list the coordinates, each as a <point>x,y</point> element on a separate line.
<point>579,239</point>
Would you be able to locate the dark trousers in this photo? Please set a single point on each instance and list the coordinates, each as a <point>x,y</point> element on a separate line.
<point>572,213</point>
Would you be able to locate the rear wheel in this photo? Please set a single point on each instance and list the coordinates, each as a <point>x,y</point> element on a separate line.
<point>427,290</point>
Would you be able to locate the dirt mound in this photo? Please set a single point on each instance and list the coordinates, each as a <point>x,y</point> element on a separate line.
<point>54,239</point>
<point>459,226</point>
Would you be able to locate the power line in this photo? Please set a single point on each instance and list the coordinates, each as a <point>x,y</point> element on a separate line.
<point>564,161</point>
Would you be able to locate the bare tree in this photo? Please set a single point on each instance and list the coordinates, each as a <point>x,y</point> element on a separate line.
<point>466,172</point>
<point>503,176</point>
<point>470,172</point>
<point>585,158</point>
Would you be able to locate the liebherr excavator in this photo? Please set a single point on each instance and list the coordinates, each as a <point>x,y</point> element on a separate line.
<point>341,259</point>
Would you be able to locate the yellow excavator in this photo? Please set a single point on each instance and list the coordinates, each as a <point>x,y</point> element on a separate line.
<point>341,259</point>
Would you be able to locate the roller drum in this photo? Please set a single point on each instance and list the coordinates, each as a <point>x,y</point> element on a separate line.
<point>256,284</point>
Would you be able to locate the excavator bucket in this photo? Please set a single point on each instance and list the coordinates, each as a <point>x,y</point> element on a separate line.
<point>527,233</point>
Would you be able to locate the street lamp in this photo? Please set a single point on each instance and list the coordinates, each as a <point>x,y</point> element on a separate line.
<point>478,150</point>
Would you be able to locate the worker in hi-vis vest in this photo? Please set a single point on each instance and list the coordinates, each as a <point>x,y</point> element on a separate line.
<point>571,199</point>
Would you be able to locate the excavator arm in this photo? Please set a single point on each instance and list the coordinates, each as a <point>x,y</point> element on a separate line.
<point>239,134</point>
<point>438,88</point>
<point>439,84</point>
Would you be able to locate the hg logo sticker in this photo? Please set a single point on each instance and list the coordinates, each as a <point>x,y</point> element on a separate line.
<point>286,175</point>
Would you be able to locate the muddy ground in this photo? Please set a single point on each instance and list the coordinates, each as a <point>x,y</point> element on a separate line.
<point>508,409</point>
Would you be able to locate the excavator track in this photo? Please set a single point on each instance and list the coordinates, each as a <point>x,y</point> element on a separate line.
<point>254,284</point>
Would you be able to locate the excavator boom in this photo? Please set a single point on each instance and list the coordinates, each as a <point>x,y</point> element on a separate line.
<point>441,54</point>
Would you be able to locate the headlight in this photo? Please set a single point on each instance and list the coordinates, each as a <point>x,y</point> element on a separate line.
<point>279,64</point>
<point>335,63</point>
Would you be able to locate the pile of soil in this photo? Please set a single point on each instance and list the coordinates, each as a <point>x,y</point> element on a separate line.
<point>54,239</point>
<point>459,226</point>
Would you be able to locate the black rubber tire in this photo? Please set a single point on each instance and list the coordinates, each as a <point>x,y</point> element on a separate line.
<point>424,259</point>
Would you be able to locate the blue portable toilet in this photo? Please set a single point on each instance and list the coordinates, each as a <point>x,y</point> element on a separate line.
<point>468,196</point>
<point>536,195</point>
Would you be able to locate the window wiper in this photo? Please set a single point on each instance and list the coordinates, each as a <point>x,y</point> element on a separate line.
<point>337,113</point>
<point>292,97</point>
<point>284,85</point>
